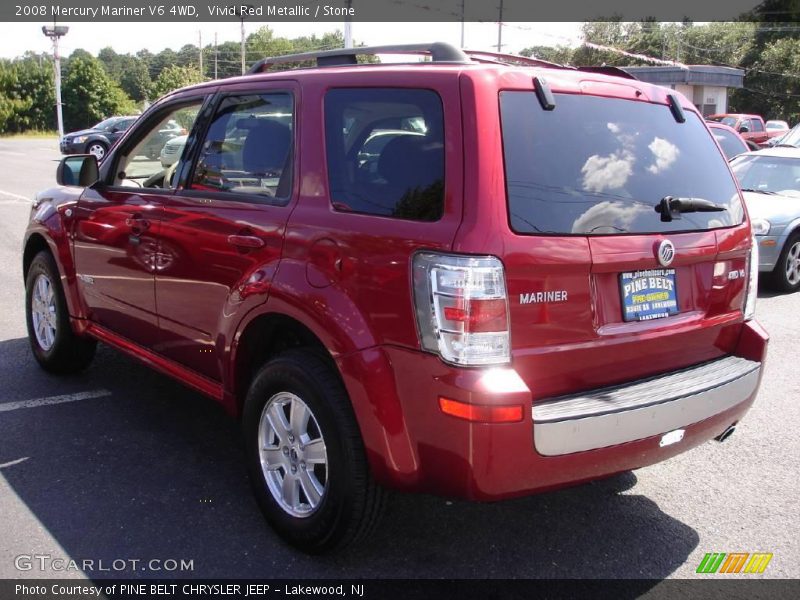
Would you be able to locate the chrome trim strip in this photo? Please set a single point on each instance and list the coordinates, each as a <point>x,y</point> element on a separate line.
<point>610,416</point>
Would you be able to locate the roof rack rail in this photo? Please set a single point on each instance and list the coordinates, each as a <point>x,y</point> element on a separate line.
<point>498,57</point>
<point>614,71</point>
<point>438,51</point>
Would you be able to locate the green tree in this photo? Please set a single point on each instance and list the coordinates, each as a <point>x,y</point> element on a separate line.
<point>90,95</point>
<point>174,77</point>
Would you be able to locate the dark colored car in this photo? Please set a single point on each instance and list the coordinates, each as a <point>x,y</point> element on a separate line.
<point>460,276</point>
<point>98,139</point>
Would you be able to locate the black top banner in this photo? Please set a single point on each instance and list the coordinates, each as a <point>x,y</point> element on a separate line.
<point>392,10</point>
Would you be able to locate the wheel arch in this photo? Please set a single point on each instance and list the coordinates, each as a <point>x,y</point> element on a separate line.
<point>262,337</point>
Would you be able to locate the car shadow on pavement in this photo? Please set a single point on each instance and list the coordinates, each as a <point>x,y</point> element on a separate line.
<point>155,471</point>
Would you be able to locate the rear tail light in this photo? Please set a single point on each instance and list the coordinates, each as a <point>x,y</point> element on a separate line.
<point>752,282</point>
<point>462,308</point>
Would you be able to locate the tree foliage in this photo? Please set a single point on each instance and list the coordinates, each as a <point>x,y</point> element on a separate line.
<point>174,77</point>
<point>90,95</point>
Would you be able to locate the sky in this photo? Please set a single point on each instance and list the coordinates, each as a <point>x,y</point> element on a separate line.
<point>16,38</point>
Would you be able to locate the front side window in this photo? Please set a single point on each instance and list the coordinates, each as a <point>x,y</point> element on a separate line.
<point>385,152</point>
<point>143,165</point>
<point>597,165</point>
<point>248,147</point>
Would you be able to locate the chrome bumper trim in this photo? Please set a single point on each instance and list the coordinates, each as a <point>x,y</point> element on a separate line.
<point>615,415</point>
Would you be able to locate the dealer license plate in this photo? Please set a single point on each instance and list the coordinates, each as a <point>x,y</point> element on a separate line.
<point>649,294</point>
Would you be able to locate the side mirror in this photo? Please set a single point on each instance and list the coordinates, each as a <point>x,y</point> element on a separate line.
<point>114,130</point>
<point>79,169</point>
<point>744,129</point>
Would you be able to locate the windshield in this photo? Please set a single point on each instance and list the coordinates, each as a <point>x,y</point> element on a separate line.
<point>729,121</point>
<point>768,174</point>
<point>107,124</point>
<point>598,165</point>
<point>792,137</point>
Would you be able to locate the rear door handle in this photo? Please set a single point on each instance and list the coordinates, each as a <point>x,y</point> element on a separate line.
<point>245,241</point>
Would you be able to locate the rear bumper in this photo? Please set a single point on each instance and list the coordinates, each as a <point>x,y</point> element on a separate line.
<point>412,445</point>
<point>642,409</point>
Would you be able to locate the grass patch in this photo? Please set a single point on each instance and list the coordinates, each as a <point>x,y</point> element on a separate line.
<point>27,135</point>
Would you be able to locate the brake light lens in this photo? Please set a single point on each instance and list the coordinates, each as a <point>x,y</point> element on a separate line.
<point>752,282</point>
<point>462,308</point>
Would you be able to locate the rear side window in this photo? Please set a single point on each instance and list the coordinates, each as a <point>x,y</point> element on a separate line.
<point>598,165</point>
<point>248,147</point>
<point>385,152</point>
<point>756,124</point>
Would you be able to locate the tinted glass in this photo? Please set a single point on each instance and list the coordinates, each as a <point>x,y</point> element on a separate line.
<point>731,145</point>
<point>248,147</point>
<point>761,173</point>
<point>756,125</point>
<point>385,152</point>
<point>600,166</point>
<point>107,124</point>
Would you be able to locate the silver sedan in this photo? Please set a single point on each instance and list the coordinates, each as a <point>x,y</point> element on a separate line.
<point>770,181</point>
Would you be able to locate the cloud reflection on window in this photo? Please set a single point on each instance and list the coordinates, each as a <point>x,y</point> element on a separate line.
<point>665,153</point>
<point>609,217</point>
<point>611,172</point>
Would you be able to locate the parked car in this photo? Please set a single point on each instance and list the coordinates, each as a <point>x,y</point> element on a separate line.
<point>172,150</point>
<point>545,276</point>
<point>731,142</point>
<point>790,138</point>
<point>98,139</point>
<point>751,127</point>
<point>770,180</point>
<point>776,125</point>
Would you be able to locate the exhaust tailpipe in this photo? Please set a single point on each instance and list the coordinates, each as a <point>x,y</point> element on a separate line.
<point>726,434</point>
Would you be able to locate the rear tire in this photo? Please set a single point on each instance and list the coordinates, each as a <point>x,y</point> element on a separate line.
<point>55,346</point>
<point>305,455</point>
<point>786,275</point>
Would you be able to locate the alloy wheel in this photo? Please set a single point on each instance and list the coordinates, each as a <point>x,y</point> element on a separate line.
<point>294,460</point>
<point>793,264</point>
<point>98,150</point>
<point>43,312</point>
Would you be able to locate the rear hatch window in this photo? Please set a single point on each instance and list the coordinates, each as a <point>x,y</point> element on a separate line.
<point>599,166</point>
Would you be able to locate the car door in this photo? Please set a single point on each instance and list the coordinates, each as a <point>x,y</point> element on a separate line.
<point>221,234</point>
<point>116,227</point>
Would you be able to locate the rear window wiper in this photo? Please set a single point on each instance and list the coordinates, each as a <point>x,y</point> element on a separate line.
<point>671,207</point>
<point>767,192</point>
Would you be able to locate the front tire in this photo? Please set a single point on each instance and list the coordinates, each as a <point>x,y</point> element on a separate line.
<point>55,346</point>
<point>305,455</point>
<point>786,276</point>
<point>98,149</point>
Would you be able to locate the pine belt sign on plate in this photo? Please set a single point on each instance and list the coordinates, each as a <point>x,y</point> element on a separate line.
<point>647,295</point>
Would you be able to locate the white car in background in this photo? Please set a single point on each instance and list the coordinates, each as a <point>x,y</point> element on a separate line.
<point>777,126</point>
<point>172,150</point>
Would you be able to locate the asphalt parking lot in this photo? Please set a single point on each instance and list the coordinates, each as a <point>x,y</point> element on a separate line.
<point>137,467</point>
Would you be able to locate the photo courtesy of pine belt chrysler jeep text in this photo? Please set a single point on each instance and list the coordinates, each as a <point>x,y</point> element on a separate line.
<point>479,276</point>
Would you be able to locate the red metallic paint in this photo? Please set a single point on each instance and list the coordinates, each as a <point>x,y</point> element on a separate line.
<point>346,278</point>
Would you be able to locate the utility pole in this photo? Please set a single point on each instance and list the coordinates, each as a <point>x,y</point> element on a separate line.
<point>215,56</point>
<point>348,26</point>
<point>500,29</point>
<point>462,22</point>
<point>200,47</point>
<point>241,15</point>
<point>54,33</point>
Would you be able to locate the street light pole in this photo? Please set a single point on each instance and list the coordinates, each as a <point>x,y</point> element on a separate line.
<point>54,33</point>
<point>348,27</point>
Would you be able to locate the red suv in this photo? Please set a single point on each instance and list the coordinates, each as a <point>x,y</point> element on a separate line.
<point>477,276</point>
